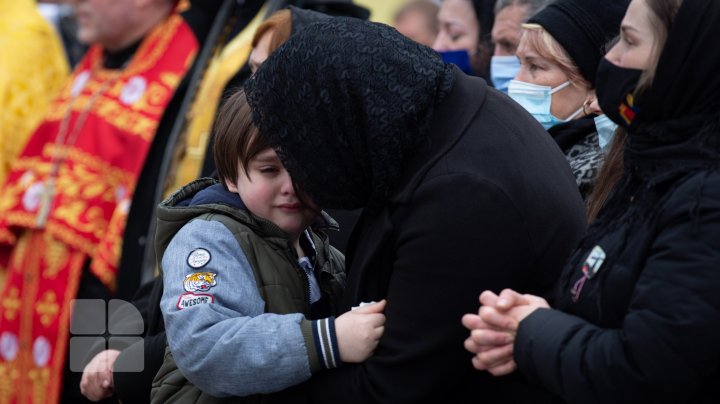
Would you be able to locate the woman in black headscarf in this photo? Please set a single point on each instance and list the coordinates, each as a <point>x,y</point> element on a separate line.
<point>639,308</point>
<point>461,192</point>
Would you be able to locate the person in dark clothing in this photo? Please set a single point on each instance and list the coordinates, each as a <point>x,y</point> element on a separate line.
<point>559,50</point>
<point>637,309</point>
<point>460,189</point>
<point>130,386</point>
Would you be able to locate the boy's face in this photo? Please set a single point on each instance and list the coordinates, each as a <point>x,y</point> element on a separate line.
<point>269,194</point>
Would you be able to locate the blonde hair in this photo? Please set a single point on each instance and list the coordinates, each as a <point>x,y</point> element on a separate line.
<point>539,40</point>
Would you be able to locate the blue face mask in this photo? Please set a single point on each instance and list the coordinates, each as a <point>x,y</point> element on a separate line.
<point>502,70</point>
<point>537,100</point>
<point>461,58</point>
<point>605,130</point>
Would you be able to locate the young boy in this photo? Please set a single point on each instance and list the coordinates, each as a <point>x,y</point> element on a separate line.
<point>249,285</point>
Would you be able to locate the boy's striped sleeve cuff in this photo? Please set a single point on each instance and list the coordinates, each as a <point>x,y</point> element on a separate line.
<point>321,343</point>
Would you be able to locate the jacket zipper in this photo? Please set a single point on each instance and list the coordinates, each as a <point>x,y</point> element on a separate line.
<point>303,273</point>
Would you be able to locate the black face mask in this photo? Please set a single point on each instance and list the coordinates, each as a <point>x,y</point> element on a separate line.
<point>614,89</point>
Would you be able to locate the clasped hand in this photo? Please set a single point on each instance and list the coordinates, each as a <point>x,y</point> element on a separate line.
<point>493,329</point>
<point>97,378</point>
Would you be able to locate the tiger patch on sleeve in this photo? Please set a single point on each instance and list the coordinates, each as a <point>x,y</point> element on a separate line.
<point>194,283</point>
<point>199,281</point>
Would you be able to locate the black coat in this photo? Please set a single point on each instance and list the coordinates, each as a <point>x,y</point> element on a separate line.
<point>645,327</point>
<point>488,203</point>
<point>134,387</point>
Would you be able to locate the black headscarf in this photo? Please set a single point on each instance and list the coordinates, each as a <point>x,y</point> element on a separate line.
<point>676,132</point>
<point>301,18</point>
<point>346,102</point>
<point>677,124</point>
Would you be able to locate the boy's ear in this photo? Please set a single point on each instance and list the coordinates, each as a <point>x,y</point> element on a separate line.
<point>231,186</point>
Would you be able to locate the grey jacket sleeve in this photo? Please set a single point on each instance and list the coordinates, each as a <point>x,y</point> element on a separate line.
<point>217,330</point>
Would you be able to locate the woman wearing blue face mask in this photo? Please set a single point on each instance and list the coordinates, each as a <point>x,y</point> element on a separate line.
<point>506,32</point>
<point>559,52</point>
<point>463,37</point>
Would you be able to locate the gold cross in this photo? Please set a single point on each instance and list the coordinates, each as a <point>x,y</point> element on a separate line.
<point>47,308</point>
<point>11,304</point>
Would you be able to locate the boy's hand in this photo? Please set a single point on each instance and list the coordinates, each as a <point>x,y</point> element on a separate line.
<point>358,332</point>
<point>97,378</point>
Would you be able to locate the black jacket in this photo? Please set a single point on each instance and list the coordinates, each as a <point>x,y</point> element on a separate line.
<point>134,387</point>
<point>489,202</point>
<point>644,328</point>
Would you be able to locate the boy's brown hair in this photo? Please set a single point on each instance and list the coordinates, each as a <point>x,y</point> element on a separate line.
<point>237,139</point>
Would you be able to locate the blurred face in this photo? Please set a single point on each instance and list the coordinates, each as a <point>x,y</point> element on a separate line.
<point>268,193</point>
<point>636,46</point>
<point>458,27</point>
<point>261,51</point>
<point>507,30</point>
<point>103,22</point>
<point>414,25</point>
<point>538,70</point>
